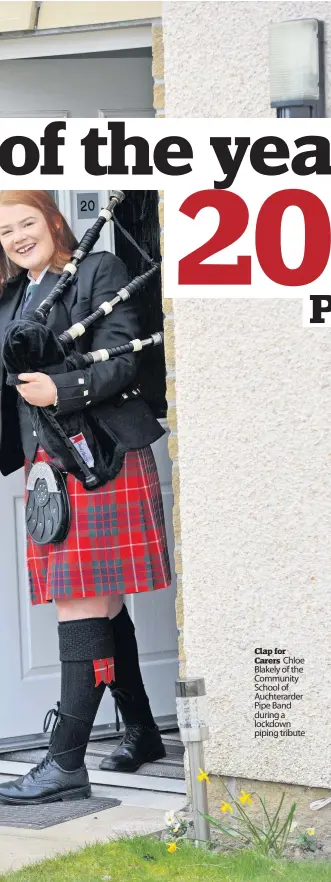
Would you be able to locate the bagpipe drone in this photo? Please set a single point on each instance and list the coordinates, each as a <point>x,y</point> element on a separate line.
<point>29,345</point>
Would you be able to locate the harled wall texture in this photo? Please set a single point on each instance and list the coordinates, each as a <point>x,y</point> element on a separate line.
<point>254,449</point>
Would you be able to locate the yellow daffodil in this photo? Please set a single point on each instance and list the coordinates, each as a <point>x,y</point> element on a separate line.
<point>203,776</point>
<point>226,807</point>
<point>310,831</point>
<point>245,798</point>
<point>172,847</point>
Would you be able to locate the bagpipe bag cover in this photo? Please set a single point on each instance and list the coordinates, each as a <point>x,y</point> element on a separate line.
<point>109,427</point>
<point>31,346</point>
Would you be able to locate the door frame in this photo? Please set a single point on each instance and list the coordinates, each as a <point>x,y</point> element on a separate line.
<point>76,40</point>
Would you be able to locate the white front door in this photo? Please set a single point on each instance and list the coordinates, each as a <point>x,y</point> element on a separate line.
<point>29,664</point>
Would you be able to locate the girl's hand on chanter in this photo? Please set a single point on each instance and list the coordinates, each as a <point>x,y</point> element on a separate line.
<point>38,389</point>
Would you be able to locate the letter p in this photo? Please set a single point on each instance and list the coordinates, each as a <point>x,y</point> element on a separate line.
<point>318,308</point>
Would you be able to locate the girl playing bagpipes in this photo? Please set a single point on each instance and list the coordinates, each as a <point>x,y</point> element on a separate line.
<point>116,542</point>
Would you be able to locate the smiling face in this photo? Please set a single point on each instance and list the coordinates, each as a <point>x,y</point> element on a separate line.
<point>26,238</point>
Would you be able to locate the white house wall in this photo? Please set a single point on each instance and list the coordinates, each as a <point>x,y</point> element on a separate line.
<point>254,437</point>
<point>216,55</point>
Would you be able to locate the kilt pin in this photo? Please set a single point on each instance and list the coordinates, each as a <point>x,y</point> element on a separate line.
<point>116,542</point>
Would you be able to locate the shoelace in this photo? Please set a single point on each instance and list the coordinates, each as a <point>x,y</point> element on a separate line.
<point>59,715</point>
<point>131,733</point>
<point>39,768</point>
<point>117,694</point>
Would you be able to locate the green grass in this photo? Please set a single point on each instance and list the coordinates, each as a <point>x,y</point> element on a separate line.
<point>143,860</point>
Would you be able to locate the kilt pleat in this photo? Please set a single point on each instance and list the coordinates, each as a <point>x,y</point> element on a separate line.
<point>117,540</point>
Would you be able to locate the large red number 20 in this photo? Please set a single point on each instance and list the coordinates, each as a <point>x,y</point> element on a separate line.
<point>233,219</point>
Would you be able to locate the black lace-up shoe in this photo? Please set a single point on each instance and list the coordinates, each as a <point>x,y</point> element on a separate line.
<point>46,783</point>
<point>139,745</point>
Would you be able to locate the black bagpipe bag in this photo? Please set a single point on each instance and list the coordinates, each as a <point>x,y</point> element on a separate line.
<point>29,346</point>
<point>110,428</point>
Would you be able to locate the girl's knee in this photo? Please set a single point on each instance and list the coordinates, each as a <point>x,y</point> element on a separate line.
<point>82,608</point>
<point>115,604</point>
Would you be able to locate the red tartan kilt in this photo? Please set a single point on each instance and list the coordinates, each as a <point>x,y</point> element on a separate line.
<point>117,540</point>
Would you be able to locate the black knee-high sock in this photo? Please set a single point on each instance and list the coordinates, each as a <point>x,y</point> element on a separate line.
<point>80,696</point>
<point>128,674</point>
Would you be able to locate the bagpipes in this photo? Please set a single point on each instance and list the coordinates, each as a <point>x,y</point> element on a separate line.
<point>90,445</point>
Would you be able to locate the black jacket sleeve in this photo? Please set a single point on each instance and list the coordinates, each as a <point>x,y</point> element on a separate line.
<point>77,389</point>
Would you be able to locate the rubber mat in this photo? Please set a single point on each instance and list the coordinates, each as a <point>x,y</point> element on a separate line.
<point>38,817</point>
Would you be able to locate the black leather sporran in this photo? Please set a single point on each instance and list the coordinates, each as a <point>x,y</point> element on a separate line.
<point>47,511</point>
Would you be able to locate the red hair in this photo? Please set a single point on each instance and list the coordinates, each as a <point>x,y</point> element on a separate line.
<point>63,238</point>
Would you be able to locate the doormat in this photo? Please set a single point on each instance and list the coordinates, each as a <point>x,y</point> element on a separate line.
<point>38,817</point>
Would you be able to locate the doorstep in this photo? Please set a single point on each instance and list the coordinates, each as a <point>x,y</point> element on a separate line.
<point>165,776</point>
<point>109,779</point>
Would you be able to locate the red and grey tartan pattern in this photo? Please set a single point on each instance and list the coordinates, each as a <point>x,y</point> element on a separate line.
<point>104,670</point>
<point>116,542</point>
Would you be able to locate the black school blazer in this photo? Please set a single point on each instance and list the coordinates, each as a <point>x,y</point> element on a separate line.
<point>98,278</point>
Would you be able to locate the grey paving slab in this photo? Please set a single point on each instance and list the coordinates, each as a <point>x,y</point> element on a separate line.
<point>19,848</point>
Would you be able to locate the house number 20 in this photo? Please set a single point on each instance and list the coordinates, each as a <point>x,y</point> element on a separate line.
<point>233,220</point>
<point>87,206</point>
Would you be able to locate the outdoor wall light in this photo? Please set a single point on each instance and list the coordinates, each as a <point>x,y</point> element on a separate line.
<point>296,64</point>
<point>191,704</point>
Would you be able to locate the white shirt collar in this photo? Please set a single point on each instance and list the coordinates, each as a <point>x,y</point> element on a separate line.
<point>40,277</point>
